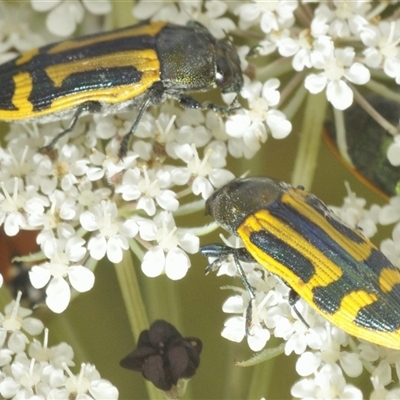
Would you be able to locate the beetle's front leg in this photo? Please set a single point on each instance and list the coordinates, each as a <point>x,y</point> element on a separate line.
<point>190,102</point>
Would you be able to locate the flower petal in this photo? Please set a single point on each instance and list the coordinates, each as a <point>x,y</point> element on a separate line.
<point>81,278</point>
<point>339,94</point>
<point>58,295</point>
<point>153,262</point>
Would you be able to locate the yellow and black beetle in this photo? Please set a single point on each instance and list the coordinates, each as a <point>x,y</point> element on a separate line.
<point>333,267</point>
<point>110,72</point>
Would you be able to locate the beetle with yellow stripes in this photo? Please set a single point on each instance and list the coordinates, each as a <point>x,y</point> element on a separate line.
<point>334,268</point>
<point>115,71</point>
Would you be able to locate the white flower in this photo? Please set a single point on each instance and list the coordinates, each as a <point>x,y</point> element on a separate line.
<point>270,310</point>
<point>381,377</point>
<point>390,213</point>
<point>354,214</point>
<point>383,48</point>
<point>218,27</point>
<point>300,48</point>
<point>15,34</point>
<point>10,210</point>
<point>391,247</point>
<point>112,234</point>
<point>87,385</point>
<point>271,15</point>
<point>234,327</point>
<point>250,126</point>
<point>328,383</point>
<point>61,253</point>
<point>164,10</point>
<point>55,356</point>
<point>11,323</point>
<point>25,377</point>
<point>310,362</point>
<point>337,65</point>
<point>166,256</point>
<point>341,19</point>
<point>200,173</point>
<point>64,16</point>
<point>44,374</point>
<point>108,166</point>
<point>148,189</point>
<point>70,165</point>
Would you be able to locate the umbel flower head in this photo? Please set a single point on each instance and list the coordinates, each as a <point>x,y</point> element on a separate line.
<point>33,369</point>
<point>163,356</point>
<point>88,206</point>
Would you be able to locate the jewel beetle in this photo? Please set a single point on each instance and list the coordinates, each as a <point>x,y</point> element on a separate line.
<point>363,149</point>
<point>118,70</point>
<point>334,268</point>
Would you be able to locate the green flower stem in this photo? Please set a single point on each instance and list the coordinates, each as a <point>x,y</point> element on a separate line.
<point>137,316</point>
<point>131,294</point>
<point>265,355</point>
<point>383,90</point>
<point>261,380</point>
<point>340,128</point>
<point>263,371</point>
<point>275,69</point>
<point>385,124</point>
<point>310,138</point>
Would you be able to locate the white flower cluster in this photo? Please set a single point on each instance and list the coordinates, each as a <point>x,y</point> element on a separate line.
<point>30,369</point>
<point>63,16</point>
<point>92,204</point>
<point>15,41</point>
<point>88,204</point>
<point>339,41</point>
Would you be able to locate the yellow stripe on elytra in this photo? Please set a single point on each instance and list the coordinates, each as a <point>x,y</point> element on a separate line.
<point>142,60</point>
<point>296,199</point>
<point>107,95</point>
<point>350,305</point>
<point>353,302</point>
<point>388,277</point>
<point>147,29</point>
<point>327,271</point>
<point>23,88</point>
<point>150,70</point>
<point>344,318</point>
<point>26,57</point>
<point>145,61</point>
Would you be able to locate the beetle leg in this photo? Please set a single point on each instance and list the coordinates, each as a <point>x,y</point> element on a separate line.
<point>190,102</point>
<point>90,106</point>
<point>125,141</point>
<point>239,254</point>
<point>153,96</point>
<point>250,291</point>
<point>293,298</point>
<point>222,253</point>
